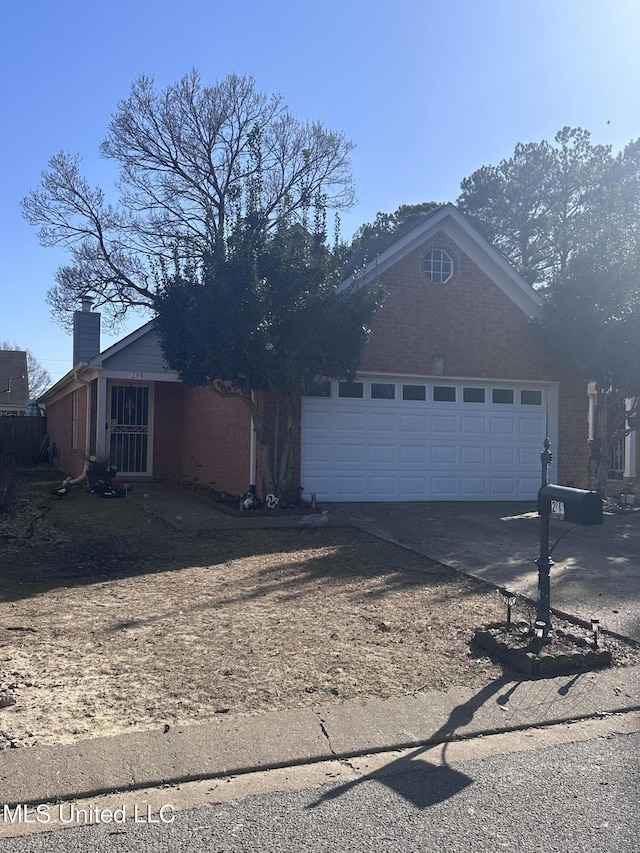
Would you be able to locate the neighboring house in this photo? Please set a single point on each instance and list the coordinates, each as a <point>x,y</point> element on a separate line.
<point>624,462</point>
<point>14,382</point>
<point>453,400</point>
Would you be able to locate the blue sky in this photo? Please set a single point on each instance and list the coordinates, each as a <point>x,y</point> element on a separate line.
<point>428,91</point>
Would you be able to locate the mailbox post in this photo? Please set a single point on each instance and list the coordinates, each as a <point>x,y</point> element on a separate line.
<point>576,506</point>
<point>544,561</point>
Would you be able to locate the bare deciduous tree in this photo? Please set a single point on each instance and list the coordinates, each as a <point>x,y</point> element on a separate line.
<point>188,155</point>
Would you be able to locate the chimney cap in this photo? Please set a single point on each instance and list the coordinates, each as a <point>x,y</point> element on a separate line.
<point>86,303</point>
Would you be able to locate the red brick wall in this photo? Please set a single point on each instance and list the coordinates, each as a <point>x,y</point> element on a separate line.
<point>59,419</point>
<point>468,320</point>
<point>572,452</point>
<point>214,435</point>
<point>480,332</point>
<point>215,440</point>
<point>168,415</point>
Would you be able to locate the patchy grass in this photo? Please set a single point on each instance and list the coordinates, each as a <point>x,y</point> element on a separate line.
<point>111,620</point>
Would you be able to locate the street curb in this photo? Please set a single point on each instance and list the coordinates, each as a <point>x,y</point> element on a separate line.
<point>240,745</point>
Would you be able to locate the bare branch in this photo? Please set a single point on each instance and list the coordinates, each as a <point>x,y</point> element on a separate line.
<point>186,156</point>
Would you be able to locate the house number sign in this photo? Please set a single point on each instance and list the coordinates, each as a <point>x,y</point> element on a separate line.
<point>136,374</point>
<point>557,510</point>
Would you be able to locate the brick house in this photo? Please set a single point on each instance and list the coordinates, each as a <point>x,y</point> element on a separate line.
<point>14,382</point>
<point>453,399</point>
<point>624,458</point>
<point>124,402</point>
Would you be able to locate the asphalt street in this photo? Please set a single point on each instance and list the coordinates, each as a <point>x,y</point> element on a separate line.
<point>575,793</point>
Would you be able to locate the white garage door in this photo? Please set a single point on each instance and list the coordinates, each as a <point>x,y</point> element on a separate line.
<point>383,440</point>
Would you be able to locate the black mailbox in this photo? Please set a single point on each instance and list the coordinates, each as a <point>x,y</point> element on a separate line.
<point>576,506</point>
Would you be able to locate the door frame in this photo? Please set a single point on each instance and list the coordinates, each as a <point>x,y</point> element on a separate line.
<point>104,403</point>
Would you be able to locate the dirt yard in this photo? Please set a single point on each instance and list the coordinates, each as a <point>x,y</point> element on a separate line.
<point>111,620</point>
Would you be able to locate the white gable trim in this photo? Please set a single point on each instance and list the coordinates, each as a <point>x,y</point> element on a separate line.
<point>449,220</point>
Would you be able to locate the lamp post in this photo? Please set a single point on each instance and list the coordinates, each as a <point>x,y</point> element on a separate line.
<point>509,599</point>
<point>544,561</point>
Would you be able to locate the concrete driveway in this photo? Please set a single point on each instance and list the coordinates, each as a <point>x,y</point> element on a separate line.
<point>596,571</point>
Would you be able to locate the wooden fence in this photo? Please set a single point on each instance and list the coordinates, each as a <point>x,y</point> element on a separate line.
<point>22,437</point>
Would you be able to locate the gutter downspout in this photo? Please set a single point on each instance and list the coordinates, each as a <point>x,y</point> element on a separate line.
<point>87,426</point>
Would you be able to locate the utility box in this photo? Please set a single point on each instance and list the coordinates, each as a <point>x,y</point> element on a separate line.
<point>576,506</point>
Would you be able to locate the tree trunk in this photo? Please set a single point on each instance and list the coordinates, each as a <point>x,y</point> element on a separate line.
<point>286,452</point>
<point>598,470</point>
<point>278,450</point>
<point>274,432</point>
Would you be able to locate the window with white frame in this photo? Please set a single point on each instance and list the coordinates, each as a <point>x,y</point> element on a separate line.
<point>438,266</point>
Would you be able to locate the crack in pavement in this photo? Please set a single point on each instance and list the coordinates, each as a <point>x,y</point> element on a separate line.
<point>324,731</point>
<point>344,761</point>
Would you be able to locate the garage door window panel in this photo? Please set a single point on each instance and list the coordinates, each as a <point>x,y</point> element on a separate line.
<point>352,390</point>
<point>503,396</point>
<point>383,391</point>
<point>414,392</point>
<point>531,398</point>
<point>473,395</point>
<point>444,393</point>
<point>320,389</point>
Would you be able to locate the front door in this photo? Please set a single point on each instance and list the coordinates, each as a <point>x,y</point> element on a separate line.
<point>129,444</point>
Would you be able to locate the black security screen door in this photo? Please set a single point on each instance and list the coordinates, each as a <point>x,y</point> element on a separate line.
<point>129,428</point>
